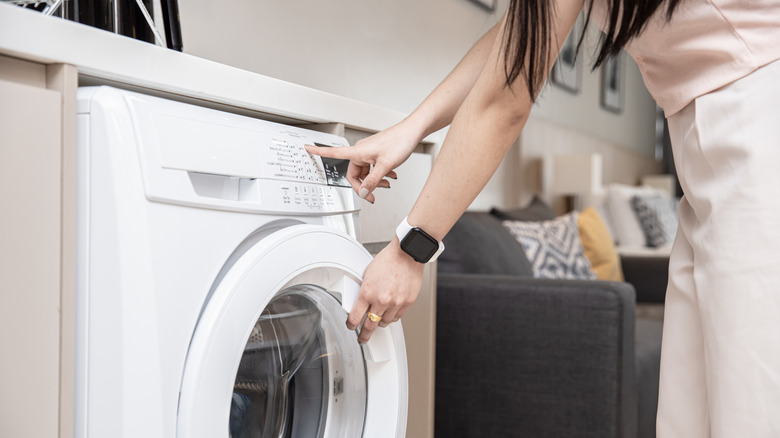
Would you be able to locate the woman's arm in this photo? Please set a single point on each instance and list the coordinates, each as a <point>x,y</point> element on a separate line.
<point>388,149</point>
<point>483,129</point>
<point>439,108</point>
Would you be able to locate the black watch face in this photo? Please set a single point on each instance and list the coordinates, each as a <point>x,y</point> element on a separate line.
<point>419,245</point>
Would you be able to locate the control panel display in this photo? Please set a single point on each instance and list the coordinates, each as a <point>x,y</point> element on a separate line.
<point>335,170</point>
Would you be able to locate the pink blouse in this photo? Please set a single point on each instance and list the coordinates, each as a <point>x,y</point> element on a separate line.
<point>706,45</point>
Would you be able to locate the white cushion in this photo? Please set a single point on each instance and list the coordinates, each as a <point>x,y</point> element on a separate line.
<point>628,231</point>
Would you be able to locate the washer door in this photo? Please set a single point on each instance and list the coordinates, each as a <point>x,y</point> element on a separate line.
<point>271,355</point>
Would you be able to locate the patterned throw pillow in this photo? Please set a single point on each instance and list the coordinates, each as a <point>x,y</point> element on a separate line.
<point>658,217</point>
<point>553,247</point>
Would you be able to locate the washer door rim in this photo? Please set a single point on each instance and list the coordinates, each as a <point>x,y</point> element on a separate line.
<point>293,255</point>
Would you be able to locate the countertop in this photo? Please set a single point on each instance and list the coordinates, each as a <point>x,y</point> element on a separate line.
<point>102,55</point>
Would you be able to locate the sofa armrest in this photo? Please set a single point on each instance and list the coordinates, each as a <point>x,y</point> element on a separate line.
<point>649,276</point>
<point>526,357</point>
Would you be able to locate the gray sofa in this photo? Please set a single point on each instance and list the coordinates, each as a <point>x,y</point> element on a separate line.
<point>524,357</point>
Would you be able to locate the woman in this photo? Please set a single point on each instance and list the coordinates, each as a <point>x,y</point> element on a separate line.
<point>713,66</point>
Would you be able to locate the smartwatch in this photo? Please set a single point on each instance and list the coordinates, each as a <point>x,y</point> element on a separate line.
<point>417,243</point>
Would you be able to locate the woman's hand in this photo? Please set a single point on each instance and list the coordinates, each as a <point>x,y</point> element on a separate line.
<point>374,158</point>
<point>391,283</point>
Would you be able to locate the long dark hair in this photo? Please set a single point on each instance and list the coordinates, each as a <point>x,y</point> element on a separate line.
<point>529,28</point>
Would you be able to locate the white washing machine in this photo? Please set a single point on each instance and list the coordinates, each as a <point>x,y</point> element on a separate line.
<point>217,262</point>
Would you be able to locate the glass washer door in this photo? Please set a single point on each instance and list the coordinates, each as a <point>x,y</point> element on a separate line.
<point>301,264</point>
<point>301,370</point>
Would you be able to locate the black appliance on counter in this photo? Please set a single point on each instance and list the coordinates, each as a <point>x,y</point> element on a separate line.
<point>126,17</point>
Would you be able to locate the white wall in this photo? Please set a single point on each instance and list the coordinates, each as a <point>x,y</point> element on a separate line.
<point>389,53</point>
<point>392,54</point>
<point>633,128</point>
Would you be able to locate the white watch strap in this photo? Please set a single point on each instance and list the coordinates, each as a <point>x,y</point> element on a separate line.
<point>403,229</point>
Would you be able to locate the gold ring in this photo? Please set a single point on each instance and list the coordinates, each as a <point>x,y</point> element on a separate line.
<point>374,317</point>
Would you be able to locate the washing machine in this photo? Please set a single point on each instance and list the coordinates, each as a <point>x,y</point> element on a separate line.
<point>217,262</point>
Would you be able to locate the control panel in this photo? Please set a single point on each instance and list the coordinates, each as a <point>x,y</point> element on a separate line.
<point>290,161</point>
<point>197,156</point>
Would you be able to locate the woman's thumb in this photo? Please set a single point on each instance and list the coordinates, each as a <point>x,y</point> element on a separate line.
<point>370,182</point>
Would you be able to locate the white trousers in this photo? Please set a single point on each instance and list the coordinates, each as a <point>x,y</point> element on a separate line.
<point>720,357</point>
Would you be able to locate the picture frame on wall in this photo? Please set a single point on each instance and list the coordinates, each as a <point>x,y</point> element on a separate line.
<point>567,70</point>
<point>612,78</point>
<point>488,5</point>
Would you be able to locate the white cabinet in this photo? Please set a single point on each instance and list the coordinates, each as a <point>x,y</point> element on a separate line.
<point>34,363</point>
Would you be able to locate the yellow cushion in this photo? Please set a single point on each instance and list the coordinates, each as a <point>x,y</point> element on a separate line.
<point>599,249</point>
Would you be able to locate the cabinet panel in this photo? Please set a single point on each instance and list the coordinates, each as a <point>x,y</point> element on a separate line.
<point>22,72</point>
<point>30,144</point>
<point>63,78</point>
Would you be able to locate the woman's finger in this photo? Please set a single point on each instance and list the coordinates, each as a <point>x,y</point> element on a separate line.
<point>390,316</point>
<point>357,313</point>
<point>385,184</point>
<point>392,175</point>
<point>371,180</point>
<point>355,175</point>
<point>356,182</point>
<point>373,319</point>
<point>370,198</point>
<point>401,312</point>
<point>341,153</point>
